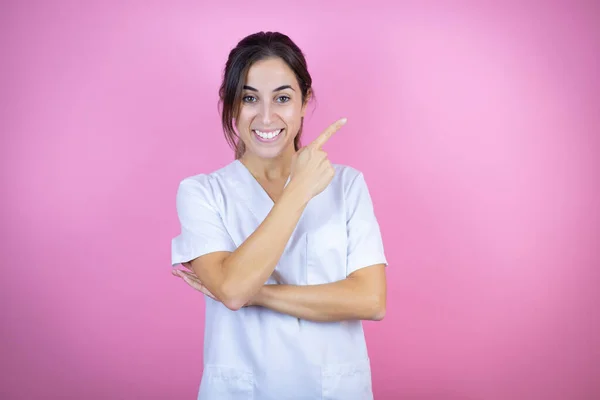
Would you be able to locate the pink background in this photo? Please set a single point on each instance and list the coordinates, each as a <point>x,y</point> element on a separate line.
<point>477,127</point>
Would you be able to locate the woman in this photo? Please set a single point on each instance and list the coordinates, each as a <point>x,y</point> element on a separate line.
<point>284,244</point>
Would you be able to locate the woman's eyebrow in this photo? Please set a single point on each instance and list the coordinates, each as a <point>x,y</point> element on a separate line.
<point>274,90</point>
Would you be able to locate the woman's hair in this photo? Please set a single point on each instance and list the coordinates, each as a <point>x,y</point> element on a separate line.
<point>249,50</point>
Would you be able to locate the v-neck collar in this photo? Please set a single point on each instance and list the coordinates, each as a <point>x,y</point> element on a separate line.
<point>252,192</point>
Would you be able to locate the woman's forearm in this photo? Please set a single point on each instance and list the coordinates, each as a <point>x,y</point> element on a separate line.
<point>337,301</point>
<point>262,249</point>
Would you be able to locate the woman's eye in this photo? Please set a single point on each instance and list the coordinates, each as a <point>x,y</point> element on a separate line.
<point>249,99</point>
<point>283,99</point>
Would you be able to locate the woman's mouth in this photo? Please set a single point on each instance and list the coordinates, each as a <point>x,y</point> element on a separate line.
<point>267,136</point>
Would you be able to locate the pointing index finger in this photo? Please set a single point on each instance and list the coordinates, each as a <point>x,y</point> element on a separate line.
<point>324,137</point>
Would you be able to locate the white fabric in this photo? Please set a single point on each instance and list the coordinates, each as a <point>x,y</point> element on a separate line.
<point>259,354</point>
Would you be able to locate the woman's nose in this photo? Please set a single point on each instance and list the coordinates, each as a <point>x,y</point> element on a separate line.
<point>266,115</point>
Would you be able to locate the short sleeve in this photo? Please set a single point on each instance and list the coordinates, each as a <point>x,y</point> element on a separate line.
<point>202,228</point>
<point>365,244</point>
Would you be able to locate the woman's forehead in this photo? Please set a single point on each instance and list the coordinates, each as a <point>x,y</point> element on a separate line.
<point>270,74</point>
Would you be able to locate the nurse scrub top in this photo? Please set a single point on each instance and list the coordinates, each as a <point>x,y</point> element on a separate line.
<point>259,354</point>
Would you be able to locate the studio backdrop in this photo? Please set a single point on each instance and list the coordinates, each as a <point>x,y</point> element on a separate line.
<point>475,125</point>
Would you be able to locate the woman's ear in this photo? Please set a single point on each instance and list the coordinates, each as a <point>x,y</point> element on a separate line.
<point>306,100</point>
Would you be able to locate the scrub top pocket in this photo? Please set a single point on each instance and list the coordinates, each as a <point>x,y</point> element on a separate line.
<point>226,383</point>
<point>347,381</point>
<point>326,253</point>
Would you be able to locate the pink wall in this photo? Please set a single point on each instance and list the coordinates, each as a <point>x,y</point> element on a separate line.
<point>477,127</point>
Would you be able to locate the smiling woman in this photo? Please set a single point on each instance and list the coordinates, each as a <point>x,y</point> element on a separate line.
<point>284,244</point>
<point>264,70</point>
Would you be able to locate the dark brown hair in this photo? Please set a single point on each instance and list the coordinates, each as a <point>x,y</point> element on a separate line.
<point>249,50</point>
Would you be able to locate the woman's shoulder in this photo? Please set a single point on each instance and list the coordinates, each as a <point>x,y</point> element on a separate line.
<point>345,174</point>
<point>205,182</point>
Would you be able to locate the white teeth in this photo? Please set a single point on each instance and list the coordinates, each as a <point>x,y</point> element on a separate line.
<point>268,135</point>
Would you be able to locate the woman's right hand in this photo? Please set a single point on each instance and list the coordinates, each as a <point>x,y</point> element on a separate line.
<point>311,172</point>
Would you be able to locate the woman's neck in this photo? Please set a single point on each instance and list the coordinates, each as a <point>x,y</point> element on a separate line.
<point>269,169</point>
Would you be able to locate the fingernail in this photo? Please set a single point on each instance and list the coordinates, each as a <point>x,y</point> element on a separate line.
<point>344,120</point>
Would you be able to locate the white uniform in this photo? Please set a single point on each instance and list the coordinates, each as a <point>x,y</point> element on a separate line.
<point>259,354</point>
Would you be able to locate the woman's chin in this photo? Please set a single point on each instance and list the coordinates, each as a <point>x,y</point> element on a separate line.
<point>268,152</point>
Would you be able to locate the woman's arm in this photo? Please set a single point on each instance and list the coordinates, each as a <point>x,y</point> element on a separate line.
<point>361,296</point>
<point>227,274</point>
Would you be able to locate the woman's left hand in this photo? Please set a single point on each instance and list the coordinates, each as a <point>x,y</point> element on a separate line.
<point>192,280</point>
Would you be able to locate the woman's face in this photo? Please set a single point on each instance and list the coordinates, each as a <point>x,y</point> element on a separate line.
<point>271,110</point>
